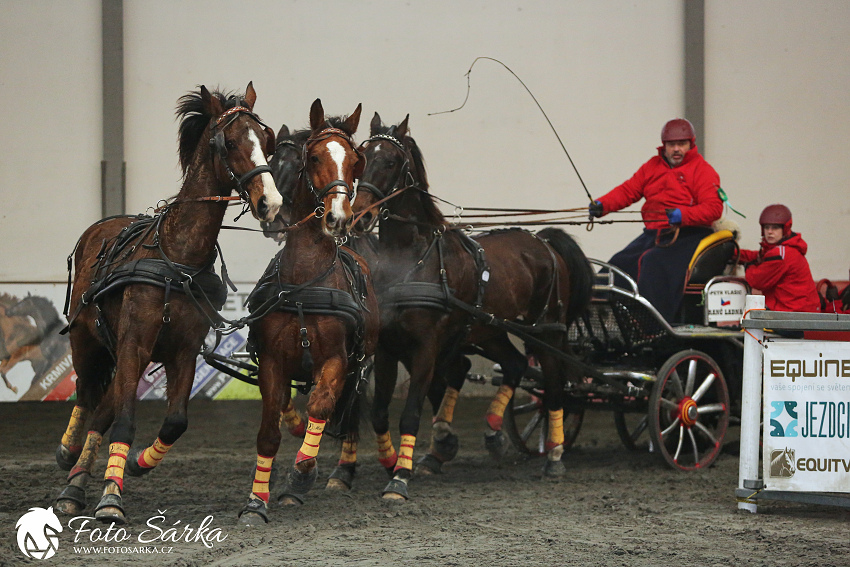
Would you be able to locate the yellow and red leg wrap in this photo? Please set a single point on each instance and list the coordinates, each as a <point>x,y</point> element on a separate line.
<point>260,489</point>
<point>294,424</point>
<point>153,455</point>
<point>405,452</point>
<point>72,438</point>
<point>310,447</point>
<point>497,407</point>
<point>348,456</point>
<point>88,456</point>
<point>556,429</point>
<point>447,406</point>
<point>386,452</point>
<point>115,466</point>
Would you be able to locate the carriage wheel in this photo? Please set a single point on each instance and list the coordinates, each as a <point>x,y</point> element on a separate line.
<point>632,428</point>
<point>527,425</point>
<point>689,410</point>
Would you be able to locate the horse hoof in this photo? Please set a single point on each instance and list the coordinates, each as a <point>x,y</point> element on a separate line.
<point>495,444</point>
<point>554,469</point>
<point>301,483</point>
<point>255,513</point>
<point>65,458</point>
<point>110,509</point>
<point>132,467</point>
<point>71,501</point>
<point>342,477</point>
<point>289,499</point>
<point>429,465</point>
<point>446,448</point>
<point>396,490</point>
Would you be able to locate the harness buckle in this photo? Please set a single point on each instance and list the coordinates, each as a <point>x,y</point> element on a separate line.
<point>319,212</point>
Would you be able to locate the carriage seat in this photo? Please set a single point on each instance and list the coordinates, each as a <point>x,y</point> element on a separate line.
<point>713,254</point>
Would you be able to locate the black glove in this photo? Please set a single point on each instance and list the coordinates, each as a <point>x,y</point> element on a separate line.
<point>595,209</point>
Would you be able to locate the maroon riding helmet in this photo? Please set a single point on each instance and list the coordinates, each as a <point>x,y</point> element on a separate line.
<point>777,214</point>
<point>678,129</point>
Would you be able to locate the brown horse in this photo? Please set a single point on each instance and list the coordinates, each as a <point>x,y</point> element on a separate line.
<point>144,290</point>
<point>19,340</point>
<point>432,281</point>
<point>317,315</point>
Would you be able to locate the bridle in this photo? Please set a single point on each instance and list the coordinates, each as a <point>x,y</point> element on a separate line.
<point>328,189</point>
<point>404,174</point>
<point>219,148</point>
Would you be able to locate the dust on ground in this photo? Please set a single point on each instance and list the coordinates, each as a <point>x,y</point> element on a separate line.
<point>613,507</point>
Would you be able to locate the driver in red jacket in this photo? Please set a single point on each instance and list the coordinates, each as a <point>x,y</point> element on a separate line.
<point>779,269</point>
<point>680,192</point>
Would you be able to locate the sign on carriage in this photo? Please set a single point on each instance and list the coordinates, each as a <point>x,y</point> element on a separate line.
<point>806,416</point>
<point>725,302</point>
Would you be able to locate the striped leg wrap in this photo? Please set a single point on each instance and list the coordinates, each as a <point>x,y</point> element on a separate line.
<point>348,456</point>
<point>88,456</point>
<point>73,437</point>
<point>497,407</point>
<point>310,446</point>
<point>115,466</point>
<point>386,452</point>
<point>556,429</point>
<point>293,421</point>
<point>152,456</point>
<point>447,406</point>
<point>405,453</point>
<point>260,489</point>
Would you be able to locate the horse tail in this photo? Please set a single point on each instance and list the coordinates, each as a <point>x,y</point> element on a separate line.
<point>580,272</point>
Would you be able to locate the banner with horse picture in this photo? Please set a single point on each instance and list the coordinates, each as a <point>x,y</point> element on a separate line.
<point>807,416</point>
<point>35,358</point>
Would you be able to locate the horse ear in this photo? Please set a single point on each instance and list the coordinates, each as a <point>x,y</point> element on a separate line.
<point>353,121</point>
<point>250,95</point>
<point>317,116</point>
<point>401,129</point>
<point>283,133</point>
<point>375,124</point>
<point>270,141</point>
<point>211,104</point>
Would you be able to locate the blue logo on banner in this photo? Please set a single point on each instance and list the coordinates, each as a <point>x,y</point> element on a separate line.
<point>783,419</point>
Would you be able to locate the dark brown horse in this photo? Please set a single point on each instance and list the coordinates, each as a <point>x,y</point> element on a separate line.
<point>144,290</point>
<point>317,314</point>
<point>430,278</point>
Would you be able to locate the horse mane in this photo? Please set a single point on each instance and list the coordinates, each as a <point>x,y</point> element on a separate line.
<point>433,215</point>
<point>7,300</point>
<point>194,120</point>
<point>301,136</point>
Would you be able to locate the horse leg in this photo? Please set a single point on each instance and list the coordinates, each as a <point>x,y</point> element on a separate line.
<point>444,441</point>
<point>275,393</point>
<point>502,351</point>
<point>180,374</point>
<point>330,380</point>
<point>386,376</point>
<point>294,422</point>
<point>342,476</point>
<point>133,356</point>
<point>4,367</point>
<point>421,372</point>
<point>551,367</point>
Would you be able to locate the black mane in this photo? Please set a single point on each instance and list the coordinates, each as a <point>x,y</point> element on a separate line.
<point>194,120</point>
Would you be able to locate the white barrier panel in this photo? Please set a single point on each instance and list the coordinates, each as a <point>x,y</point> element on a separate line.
<point>806,441</point>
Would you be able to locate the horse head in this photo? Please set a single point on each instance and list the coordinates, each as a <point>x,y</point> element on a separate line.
<point>285,164</point>
<point>331,165</point>
<point>239,143</point>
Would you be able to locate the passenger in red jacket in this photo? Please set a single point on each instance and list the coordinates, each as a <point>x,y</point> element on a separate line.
<point>681,203</point>
<point>780,269</point>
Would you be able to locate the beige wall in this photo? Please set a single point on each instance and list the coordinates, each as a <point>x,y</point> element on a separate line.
<point>607,73</point>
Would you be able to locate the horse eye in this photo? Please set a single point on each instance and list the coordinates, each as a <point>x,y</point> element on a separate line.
<point>230,145</point>
<point>314,159</point>
<point>389,164</point>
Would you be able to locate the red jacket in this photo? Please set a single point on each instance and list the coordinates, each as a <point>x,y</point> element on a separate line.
<point>691,187</point>
<point>782,273</point>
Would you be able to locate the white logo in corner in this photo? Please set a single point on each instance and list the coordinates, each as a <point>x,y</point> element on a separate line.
<point>38,533</point>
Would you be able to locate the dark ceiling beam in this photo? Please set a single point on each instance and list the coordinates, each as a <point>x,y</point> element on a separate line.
<point>112,167</point>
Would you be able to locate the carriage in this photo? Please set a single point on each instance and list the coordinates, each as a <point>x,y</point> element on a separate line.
<point>668,386</point>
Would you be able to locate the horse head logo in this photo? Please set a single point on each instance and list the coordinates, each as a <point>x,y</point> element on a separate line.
<point>38,533</point>
<point>782,463</point>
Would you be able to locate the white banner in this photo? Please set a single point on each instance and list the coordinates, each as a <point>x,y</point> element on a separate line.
<point>806,416</point>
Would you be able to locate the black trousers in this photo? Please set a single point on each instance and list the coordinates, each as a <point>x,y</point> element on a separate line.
<point>660,270</point>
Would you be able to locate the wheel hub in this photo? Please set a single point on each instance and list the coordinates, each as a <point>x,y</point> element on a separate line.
<point>688,413</point>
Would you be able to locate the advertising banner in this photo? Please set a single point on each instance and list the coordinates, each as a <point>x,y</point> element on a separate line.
<point>806,416</point>
<point>35,360</point>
